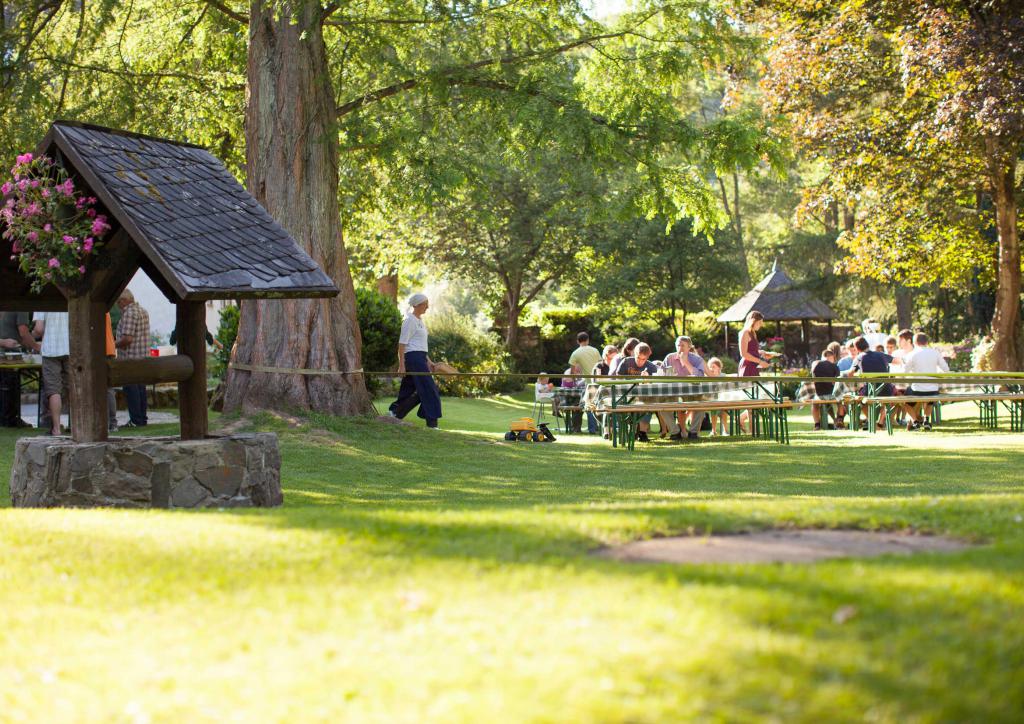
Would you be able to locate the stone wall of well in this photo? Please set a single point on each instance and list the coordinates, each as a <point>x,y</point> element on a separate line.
<point>240,470</point>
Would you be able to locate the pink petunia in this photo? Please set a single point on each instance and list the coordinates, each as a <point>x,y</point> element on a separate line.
<point>25,158</point>
<point>7,188</point>
<point>69,239</point>
<point>53,263</point>
<point>87,246</point>
<point>45,193</point>
<point>99,226</point>
<point>32,236</point>
<point>47,228</point>
<point>16,248</point>
<point>34,183</point>
<point>81,270</point>
<point>23,185</point>
<point>91,213</point>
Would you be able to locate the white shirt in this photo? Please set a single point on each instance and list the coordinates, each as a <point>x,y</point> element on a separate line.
<point>56,342</point>
<point>923,361</point>
<point>414,334</point>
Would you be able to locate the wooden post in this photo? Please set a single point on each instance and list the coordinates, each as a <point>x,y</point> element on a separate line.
<point>192,402</point>
<point>88,369</point>
<point>830,331</point>
<point>726,325</point>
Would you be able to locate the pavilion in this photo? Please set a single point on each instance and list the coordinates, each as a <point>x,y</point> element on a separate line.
<point>779,299</point>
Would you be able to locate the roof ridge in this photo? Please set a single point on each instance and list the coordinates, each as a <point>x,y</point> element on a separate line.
<point>128,134</point>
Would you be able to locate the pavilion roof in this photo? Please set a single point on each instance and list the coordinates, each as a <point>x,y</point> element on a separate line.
<point>778,297</point>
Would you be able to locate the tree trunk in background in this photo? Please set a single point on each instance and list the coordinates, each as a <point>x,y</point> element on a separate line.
<point>1006,320</point>
<point>388,286</point>
<point>292,169</point>
<point>904,307</point>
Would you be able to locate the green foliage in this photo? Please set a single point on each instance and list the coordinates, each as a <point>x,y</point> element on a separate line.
<point>559,327</point>
<point>380,323</point>
<point>454,339</point>
<point>704,329</point>
<point>227,331</point>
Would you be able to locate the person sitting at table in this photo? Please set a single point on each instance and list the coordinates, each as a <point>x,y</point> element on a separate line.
<point>924,360</point>
<point>627,350</point>
<point>824,367</point>
<point>684,362</point>
<point>574,418</point>
<point>639,364</point>
<point>608,354</point>
<point>714,369</point>
<point>871,362</point>
<point>846,362</point>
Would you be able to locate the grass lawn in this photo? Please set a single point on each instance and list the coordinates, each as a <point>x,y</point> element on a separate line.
<point>418,575</point>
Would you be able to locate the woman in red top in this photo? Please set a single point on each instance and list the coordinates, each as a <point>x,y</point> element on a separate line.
<point>751,359</point>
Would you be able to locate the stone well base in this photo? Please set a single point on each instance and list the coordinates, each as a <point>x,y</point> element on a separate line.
<point>141,472</point>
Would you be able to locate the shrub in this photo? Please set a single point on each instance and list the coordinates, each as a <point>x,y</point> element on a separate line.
<point>380,323</point>
<point>455,340</point>
<point>704,329</point>
<point>559,328</point>
<point>227,331</point>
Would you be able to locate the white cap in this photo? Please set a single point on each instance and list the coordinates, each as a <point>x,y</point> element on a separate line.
<point>417,299</point>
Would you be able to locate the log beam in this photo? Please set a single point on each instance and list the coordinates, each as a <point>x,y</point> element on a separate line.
<point>147,370</point>
<point>192,401</point>
<point>88,371</point>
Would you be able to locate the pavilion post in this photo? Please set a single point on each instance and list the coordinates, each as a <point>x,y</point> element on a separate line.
<point>192,401</point>
<point>829,330</point>
<point>88,368</point>
<point>726,325</point>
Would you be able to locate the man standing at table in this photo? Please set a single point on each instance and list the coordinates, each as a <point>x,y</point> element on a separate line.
<point>14,336</point>
<point>586,358</point>
<point>133,343</point>
<point>56,351</point>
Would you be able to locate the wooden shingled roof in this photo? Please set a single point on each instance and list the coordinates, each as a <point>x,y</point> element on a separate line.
<point>777,297</point>
<point>201,234</point>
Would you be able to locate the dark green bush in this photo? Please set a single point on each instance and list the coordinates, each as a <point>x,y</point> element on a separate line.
<point>454,339</point>
<point>380,323</point>
<point>559,328</point>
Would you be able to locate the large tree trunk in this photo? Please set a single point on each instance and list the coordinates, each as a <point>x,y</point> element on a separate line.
<point>292,169</point>
<point>904,307</point>
<point>1006,320</point>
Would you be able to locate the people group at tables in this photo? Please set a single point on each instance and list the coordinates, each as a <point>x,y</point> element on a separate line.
<point>907,352</point>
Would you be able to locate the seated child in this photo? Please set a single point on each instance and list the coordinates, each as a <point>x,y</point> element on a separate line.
<point>719,420</point>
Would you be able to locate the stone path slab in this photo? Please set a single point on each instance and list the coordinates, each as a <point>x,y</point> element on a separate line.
<point>779,546</point>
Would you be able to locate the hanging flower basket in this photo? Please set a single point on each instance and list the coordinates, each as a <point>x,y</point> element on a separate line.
<point>54,230</point>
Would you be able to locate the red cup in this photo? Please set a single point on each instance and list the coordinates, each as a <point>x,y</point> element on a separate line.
<point>154,352</point>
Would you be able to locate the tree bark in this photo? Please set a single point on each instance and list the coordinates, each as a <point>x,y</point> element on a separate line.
<point>388,285</point>
<point>904,307</point>
<point>1006,320</point>
<point>292,169</point>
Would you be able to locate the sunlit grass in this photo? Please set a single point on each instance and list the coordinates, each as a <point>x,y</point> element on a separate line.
<point>418,575</point>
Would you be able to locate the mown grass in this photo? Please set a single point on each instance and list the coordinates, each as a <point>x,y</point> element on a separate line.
<point>418,575</point>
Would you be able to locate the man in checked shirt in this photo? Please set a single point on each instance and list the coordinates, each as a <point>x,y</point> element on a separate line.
<point>133,343</point>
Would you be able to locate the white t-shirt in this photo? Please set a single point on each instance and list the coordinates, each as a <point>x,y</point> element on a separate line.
<point>924,361</point>
<point>56,341</point>
<point>414,334</point>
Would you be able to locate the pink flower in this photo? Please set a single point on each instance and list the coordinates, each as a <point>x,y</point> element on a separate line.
<point>32,236</point>
<point>22,185</point>
<point>69,239</point>
<point>34,183</point>
<point>45,193</point>
<point>53,263</point>
<point>99,226</point>
<point>91,213</point>
<point>6,188</point>
<point>81,270</point>
<point>67,188</point>
<point>16,248</point>
<point>87,246</point>
<point>47,227</point>
<point>31,210</point>
<point>25,158</point>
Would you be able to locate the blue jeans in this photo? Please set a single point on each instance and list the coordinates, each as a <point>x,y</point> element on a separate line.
<point>135,396</point>
<point>592,424</point>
